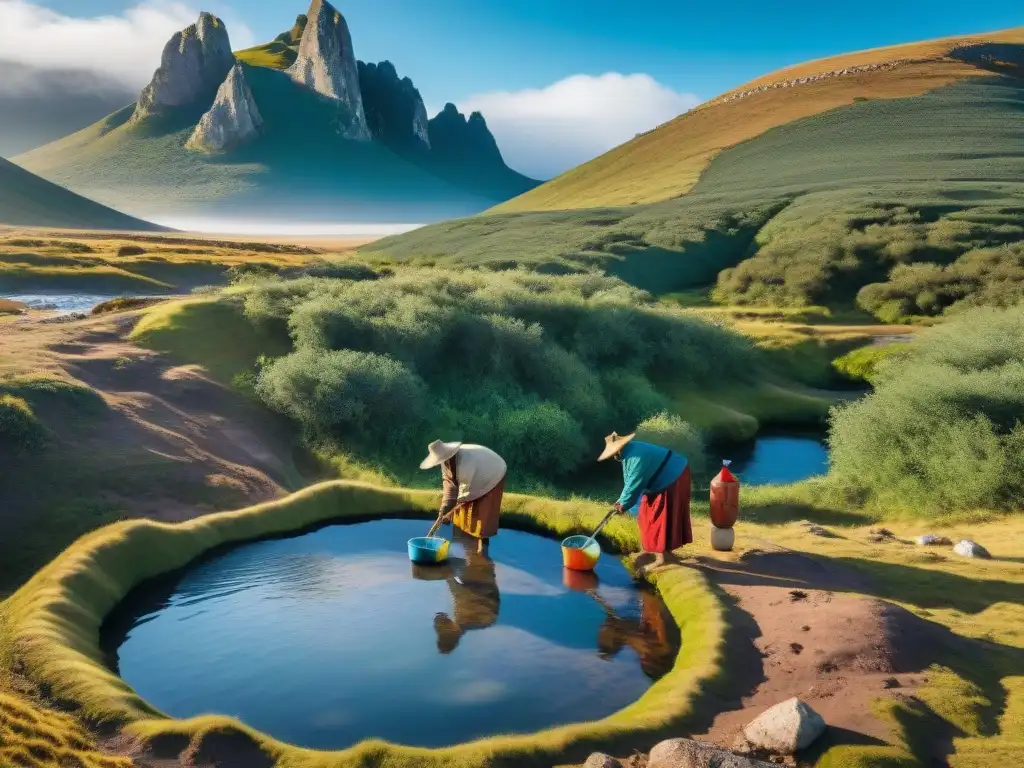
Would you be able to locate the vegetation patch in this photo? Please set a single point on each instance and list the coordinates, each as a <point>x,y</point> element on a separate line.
<point>943,431</point>
<point>20,430</point>
<point>51,627</point>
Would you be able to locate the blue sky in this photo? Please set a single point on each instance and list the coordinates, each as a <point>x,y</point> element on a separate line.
<point>534,67</point>
<point>455,48</point>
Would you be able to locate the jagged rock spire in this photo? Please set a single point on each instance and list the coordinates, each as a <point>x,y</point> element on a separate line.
<point>195,62</point>
<point>326,63</point>
<point>232,120</point>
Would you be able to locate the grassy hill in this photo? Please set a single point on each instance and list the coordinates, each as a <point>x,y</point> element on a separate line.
<point>298,169</point>
<point>668,161</point>
<point>906,200</point>
<point>27,200</point>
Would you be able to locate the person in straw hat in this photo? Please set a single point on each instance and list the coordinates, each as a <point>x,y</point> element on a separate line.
<point>656,488</point>
<point>473,485</point>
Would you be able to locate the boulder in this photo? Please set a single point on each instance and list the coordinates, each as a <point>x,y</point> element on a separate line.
<point>686,753</point>
<point>601,760</point>
<point>968,548</point>
<point>930,540</point>
<point>194,63</point>
<point>326,64</point>
<point>783,729</point>
<point>232,120</point>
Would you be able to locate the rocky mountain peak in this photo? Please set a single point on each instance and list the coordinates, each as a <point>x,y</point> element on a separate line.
<point>326,63</point>
<point>194,63</point>
<point>395,113</point>
<point>461,140</point>
<point>232,120</point>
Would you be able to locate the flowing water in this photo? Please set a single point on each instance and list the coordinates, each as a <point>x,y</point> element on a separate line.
<point>333,636</point>
<point>61,303</point>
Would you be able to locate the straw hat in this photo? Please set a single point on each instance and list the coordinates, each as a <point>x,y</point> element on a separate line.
<point>438,453</point>
<point>613,444</point>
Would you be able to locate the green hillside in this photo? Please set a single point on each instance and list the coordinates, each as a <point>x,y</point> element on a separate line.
<point>298,168</point>
<point>905,206</point>
<point>27,200</point>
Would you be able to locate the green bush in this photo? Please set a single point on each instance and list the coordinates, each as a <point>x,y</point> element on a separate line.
<point>943,432</point>
<point>861,364</point>
<point>20,430</point>
<point>670,431</point>
<point>538,367</point>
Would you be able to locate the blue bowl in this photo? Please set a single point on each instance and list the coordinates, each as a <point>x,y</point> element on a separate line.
<point>425,550</point>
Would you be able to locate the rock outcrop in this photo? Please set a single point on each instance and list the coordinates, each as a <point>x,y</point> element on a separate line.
<point>968,548</point>
<point>326,64</point>
<point>395,113</point>
<point>232,120</point>
<point>195,62</point>
<point>459,140</point>
<point>783,729</point>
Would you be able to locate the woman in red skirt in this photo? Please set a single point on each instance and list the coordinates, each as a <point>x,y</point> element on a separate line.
<point>656,488</point>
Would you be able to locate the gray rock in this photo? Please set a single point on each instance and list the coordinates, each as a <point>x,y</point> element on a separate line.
<point>195,62</point>
<point>930,540</point>
<point>686,753</point>
<point>968,548</point>
<point>784,729</point>
<point>232,120</point>
<point>601,760</point>
<point>326,64</point>
<point>420,126</point>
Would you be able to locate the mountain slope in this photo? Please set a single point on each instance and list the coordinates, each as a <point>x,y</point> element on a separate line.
<point>902,206</point>
<point>27,200</point>
<point>310,158</point>
<point>668,161</point>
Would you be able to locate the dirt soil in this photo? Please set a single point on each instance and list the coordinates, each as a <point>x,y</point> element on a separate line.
<point>796,630</point>
<point>170,445</point>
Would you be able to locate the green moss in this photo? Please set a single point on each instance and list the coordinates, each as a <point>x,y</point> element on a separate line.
<point>20,430</point>
<point>861,364</point>
<point>54,623</point>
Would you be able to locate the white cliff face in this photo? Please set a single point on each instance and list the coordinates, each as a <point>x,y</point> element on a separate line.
<point>420,125</point>
<point>232,120</point>
<point>194,62</point>
<point>327,64</point>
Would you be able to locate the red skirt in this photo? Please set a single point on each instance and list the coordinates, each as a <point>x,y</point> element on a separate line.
<point>665,517</point>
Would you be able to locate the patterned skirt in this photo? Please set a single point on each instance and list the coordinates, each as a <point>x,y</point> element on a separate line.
<point>479,518</point>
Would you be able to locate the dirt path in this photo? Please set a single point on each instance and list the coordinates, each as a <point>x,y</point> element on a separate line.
<point>170,444</point>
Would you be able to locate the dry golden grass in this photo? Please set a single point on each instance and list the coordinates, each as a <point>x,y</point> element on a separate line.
<point>668,162</point>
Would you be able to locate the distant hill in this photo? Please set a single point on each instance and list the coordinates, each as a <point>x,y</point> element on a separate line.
<point>892,180</point>
<point>299,129</point>
<point>27,200</point>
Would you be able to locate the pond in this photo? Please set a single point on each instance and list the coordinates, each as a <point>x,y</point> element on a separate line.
<point>775,459</point>
<point>332,637</point>
<point>60,303</point>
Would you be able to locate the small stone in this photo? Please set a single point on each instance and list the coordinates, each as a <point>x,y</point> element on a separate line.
<point>797,594</point>
<point>891,682</point>
<point>785,728</point>
<point>686,753</point>
<point>885,533</point>
<point>805,628</point>
<point>968,548</point>
<point>601,760</point>
<point>796,648</point>
<point>930,540</point>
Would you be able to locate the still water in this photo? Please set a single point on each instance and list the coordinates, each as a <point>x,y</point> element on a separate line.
<point>776,459</point>
<point>332,637</point>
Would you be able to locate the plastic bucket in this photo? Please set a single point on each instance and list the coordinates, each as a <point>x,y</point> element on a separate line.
<point>425,550</point>
<point>577,558</point>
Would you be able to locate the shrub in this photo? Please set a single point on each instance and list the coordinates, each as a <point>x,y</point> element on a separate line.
<point>372,399</point>
<point>539,367</point>
<point>943,430</point>
<point>131,250</point>
<point>861,364</point>
<point>20,430</point>
<point>670,431</point>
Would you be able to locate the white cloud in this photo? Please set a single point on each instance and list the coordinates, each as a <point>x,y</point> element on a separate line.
<point>123,48</point>
<point>543,132</point>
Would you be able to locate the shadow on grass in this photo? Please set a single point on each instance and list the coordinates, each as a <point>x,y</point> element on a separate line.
<point>771,513</point>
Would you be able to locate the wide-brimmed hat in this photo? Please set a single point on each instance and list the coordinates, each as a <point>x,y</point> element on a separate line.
<point>438,453</point>
<point>613,444</point>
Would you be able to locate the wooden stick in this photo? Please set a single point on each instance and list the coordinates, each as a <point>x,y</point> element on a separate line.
<point>435,526</point>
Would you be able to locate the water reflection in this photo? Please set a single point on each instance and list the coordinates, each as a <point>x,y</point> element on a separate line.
<point>472,582</point>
